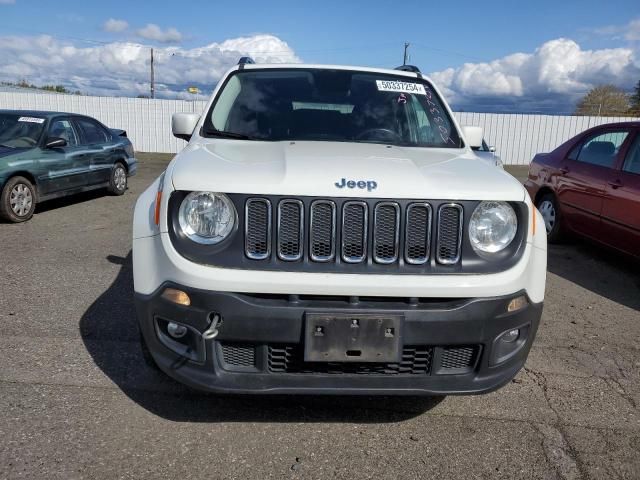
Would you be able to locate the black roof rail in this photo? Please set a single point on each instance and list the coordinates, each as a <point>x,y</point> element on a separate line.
<point>408,68</point>
<point>246,61</point>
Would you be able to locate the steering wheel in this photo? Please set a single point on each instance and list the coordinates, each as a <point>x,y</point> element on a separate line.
<point>379,134</point>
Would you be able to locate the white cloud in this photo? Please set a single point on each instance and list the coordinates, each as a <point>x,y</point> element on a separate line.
<point>115,25</point>
<point>629,32</point>
<point>154,32</point>
<point>123,68</point>
<point>558,68</point>
<point>551,78</point>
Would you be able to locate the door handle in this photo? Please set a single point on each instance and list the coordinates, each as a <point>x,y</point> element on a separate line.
<point>615,183</point>
<point>564,170</point>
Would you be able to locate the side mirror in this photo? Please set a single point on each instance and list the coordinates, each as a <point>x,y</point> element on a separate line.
<point>55,142</point>
<point>473,136</point>
<point>183,125</point>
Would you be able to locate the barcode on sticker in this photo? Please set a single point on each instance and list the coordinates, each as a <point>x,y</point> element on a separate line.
<point>31,119</point>
<point>404,87</point>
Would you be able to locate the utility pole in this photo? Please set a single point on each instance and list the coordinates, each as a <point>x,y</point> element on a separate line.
<point>153,83</point>
<point>406,46</point>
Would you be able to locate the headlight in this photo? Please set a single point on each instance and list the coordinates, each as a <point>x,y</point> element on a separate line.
<point>207,217</point>
<point>492,227</point>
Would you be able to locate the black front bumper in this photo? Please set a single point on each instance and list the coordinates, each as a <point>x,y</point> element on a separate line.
<point>451,346</point>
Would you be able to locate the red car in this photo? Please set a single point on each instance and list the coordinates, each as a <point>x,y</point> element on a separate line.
<point>590,186</point>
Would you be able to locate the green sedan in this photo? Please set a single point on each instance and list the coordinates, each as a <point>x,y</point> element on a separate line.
<point>46,155</point>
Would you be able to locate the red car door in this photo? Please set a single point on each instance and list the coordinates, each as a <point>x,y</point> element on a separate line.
<point>621,210</point>
<point>582,179</point>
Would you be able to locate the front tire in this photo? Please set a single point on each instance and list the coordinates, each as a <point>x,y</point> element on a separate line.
<point>18,200</point>
<point>118,180</point>
<point>550,211</point>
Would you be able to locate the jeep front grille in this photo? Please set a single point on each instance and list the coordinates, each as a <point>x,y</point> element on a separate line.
<point>353,231</point>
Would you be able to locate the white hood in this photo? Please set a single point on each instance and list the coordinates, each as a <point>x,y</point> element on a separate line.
<point>303,168</point>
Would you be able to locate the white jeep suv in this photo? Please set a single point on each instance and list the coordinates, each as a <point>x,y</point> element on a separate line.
<point>328,229</point>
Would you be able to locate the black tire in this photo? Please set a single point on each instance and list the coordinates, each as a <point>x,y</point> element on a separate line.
<point>18,200</point>
<point>548,206</point>
<point>118,179</point>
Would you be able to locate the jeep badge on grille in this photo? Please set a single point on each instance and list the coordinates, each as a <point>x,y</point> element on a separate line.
<point>368,184</point>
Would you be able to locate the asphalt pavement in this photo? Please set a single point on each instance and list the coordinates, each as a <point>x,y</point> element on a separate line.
<point>77,400</point>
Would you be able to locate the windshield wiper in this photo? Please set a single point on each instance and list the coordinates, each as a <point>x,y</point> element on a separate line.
<point>222,134</point>
<point>8,146</point>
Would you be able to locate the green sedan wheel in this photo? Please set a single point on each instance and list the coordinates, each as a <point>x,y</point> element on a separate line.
<point>18,200</point>
<point>118,180</point>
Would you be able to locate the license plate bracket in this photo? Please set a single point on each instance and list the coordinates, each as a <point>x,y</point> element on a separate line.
<point>353,337</point>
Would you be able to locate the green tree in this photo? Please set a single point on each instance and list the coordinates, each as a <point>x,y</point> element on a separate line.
<point>605,101</point>
<point>55,88</point>
<point>634,99</point>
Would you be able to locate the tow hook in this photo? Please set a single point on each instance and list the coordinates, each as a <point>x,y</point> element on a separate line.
<point>212,331</point>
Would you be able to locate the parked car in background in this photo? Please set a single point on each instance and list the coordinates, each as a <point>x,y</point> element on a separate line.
<point>45,155</point>
<point>488,154</point>
<point>590,185</point>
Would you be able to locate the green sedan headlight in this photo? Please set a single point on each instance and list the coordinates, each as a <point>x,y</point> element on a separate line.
<point>492,227</point>
<point>207,217</point>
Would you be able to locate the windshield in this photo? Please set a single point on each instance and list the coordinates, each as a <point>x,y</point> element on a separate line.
<point>331,105</point>
<point>20,131</point>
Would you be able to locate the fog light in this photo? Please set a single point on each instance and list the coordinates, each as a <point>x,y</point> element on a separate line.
<point>517,303</point>
<point>176,331</point>
<point>510,336</point>
<point>176,296</point>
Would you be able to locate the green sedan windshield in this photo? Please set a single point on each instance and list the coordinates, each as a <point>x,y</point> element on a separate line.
<point>20,131</point>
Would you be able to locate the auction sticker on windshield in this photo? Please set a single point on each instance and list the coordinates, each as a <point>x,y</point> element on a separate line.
<point>404,87</point>
<point>31,119</point>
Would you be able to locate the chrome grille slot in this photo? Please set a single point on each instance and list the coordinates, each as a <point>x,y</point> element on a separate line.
<point>354,231</point>
<point>417,233</point>
<point>386,231</point>
<point>322,231</point>
<point>290,225</point>
<point>450,219</point>
<point>257,229</point>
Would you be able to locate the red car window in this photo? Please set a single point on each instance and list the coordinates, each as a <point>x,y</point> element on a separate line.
<point>601,149</point>
<point>632,162</point>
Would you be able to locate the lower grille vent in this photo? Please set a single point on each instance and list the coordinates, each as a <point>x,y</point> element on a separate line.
<point>239,355</point>
<point>457,359</point>
<point>416,360</point>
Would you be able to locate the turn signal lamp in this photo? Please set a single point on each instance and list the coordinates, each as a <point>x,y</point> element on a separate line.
<point>156,216</point>
<point>176,296</point>
<point>517,303</point>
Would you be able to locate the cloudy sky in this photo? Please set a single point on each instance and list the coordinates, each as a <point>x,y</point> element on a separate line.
<point>486,56</point>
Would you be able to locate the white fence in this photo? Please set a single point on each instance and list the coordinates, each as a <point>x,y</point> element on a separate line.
<point>517,137</point>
